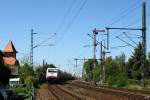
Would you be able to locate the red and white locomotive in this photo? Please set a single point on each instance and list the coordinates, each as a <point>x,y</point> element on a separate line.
<point>56,75</point>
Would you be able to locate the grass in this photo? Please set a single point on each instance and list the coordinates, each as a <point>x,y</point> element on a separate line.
<point>138,88</point>
<point>132,86</point>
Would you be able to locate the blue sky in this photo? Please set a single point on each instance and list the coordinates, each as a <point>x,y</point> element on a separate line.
<point>18,17</point>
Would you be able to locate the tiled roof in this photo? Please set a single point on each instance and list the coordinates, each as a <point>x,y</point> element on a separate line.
<point>10,47</point>
<point>9,61</point>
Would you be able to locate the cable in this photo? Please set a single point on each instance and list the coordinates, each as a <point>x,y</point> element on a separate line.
<point>119,46</point>
<point>135,21</point>
<point>66,15</point>
<point>72,20</point>
<point>45,40</point>
<point>69,24</point>
<point>62,23</point>
<point>129,38</point>
<point>124,13</point>
<point>125,41</point>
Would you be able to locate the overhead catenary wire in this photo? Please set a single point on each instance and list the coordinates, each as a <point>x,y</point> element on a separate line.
<point>125,41</point>
<point>130,24</point>
<point>119,46</point>
<point>61,24</point>
<point>72,20</point>
<point>46,40</point>
<point>66,15</point>
<point>124,13</point>
<point>70,23</point>
<point>129,38</point>
<point>133,22</point>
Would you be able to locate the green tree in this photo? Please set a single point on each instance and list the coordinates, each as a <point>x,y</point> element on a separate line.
<point>112,70</point>
<point>88,67</point>
<point>25,70</point>
<point>134,63</point>
<point>148,59</point>
<point>114,74</point>
<point>121,61</point>
<point>148,64</point>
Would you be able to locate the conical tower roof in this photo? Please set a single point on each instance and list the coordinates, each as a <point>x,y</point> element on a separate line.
<point>10,48</point>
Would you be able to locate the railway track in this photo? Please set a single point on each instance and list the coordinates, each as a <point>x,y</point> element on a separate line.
<point>44,94</point>
<point>123,94</point>
<point>63,94</point>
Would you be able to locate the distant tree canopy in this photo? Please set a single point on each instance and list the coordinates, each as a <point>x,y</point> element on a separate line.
<point>26,70</point>
<point>121,61</point>
<point>115,73</point>
<point>5,74</point>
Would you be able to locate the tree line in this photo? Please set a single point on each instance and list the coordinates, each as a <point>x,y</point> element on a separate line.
<point>119,70</point>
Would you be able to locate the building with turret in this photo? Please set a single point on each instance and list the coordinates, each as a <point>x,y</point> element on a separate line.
<point>8,57</point>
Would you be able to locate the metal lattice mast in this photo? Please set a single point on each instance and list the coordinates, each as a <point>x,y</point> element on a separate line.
<point>31,49</point>
<point>94,55</point>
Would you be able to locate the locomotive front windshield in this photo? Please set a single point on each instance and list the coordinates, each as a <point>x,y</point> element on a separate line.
<point>52,71</point>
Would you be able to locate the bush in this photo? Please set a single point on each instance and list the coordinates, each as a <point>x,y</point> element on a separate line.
<point>136,75</point>
<point>88,67</point>
<point>90,76</point>
<point>112,80</point>
<point>22,90</point>
<point>122,80</point>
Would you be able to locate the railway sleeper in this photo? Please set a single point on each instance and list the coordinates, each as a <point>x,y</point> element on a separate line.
<point>79,97</point>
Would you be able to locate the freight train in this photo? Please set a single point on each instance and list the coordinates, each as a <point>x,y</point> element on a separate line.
<point>56,75</point>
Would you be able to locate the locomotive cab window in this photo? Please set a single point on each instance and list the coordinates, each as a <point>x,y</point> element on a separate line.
<point>52,71</point>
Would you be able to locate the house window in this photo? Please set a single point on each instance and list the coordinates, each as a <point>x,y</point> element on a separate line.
<point>10,55</point>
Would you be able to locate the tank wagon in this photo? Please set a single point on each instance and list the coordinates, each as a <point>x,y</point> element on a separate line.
<point>56,75</point>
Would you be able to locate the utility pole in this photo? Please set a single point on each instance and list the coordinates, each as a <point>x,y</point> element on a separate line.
<point>76,60</point>
<point>95,43</point>
<point>83,70</point>
<point>107,30</point>
<point>94,55</point>
<point>76,65</point>
<point>101,61</point>
<point>144,52</point>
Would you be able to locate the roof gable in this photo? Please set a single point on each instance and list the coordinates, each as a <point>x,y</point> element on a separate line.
<point>10,48</point>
